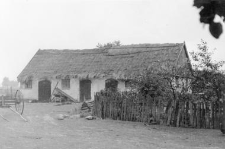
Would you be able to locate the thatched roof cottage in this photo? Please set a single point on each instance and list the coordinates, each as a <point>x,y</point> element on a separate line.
<point>81,73</point>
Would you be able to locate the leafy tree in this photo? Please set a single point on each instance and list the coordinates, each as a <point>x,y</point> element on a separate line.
<point>5,82</point>
<point>109,44</point>
<point>151,83</point>
<point>13,84</point>
<point>209,80</point>
<point>172,85</point>
<point>210,8</point>
<point>165,84</point>
<point>9,83</point>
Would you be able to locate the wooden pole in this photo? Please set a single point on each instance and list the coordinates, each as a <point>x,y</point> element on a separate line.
<point>179,113</point>
<point>169,115</point>
<point>213,115</point>
<point>19,114</point>
<point>223,119</point>
<point>11,92</point>
<point>3,101</point>
<point>191,113</point>
<point>4,118</point>
<point>50,99</point>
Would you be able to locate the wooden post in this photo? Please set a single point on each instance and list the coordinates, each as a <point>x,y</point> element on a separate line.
<point>178,115</point>
<point>110,109</point>
<point>187,116</point>
<point>11,92</point>
<point>204,115</point>
<point>213,118</point>
<point>216,115</point>
<point>223,119</point>
<point>170,114</point>
<point>198,115</point>
<point>142,110</point>
<point>125,109</point>
<point>210,115</point>
<point>194,114</point>
<point>207,115</point>
<point>191,113</point>
<point>158,111</point>
<point>3,101</point>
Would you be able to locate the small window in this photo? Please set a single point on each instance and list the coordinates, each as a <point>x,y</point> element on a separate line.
<point>65,83</point>
<point>127,84</point>
<point>28,84</point>
<point>111,84</point>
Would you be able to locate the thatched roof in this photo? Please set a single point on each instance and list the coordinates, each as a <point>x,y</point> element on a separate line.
<point>117,62</point>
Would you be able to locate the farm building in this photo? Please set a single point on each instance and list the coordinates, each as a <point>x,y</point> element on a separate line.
<point>81,73</point>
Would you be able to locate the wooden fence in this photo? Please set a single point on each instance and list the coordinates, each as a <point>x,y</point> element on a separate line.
<point>133,107</point>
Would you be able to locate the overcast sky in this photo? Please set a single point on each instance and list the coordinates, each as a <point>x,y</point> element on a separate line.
<point>29,25</point>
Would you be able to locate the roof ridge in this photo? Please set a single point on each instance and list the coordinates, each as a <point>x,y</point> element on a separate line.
<point>142,45</point>
<point>150,45</point>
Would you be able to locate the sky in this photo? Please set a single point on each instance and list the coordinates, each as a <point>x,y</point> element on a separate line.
<point>29,25</point>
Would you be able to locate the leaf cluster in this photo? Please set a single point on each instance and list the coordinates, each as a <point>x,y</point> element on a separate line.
<point>109,44</point>
<point>9,83</point>
<point>208,79</point>
<point>210,8</point>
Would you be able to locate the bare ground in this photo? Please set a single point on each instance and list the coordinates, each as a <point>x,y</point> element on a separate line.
<point>44,131</point>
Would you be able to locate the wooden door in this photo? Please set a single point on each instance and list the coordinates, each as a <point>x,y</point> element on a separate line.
<point>44,90</point>
<point>85,90</point>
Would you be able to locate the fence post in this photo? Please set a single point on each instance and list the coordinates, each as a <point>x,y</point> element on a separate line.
<point>191,113</point>
<point>11,93</point>
<point>223,118</point>
<point>3,101</point>
<point>178,114</point>
<point>207,115</point>
<point>125,109</point>
<point>170,113</point>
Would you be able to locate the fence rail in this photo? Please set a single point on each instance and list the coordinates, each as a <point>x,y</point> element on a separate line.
<point>133,107</point>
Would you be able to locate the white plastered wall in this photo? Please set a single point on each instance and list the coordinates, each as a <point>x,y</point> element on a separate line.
<point>74,91</point>
<point>96,86</point>
<point>30,93</point>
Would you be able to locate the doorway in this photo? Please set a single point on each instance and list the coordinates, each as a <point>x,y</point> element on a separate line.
<point>44,90</point>
<point>85,90</point>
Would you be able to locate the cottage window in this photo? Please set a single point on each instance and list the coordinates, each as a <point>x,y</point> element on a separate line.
<point>127,84</point>
<point>28,84</point>
<point>111,84</point>
<point>65,83</point>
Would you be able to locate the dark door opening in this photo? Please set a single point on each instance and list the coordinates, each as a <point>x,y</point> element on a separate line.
<point>44,90</point>
<point>85,90</point>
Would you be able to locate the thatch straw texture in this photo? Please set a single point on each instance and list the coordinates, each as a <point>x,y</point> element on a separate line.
<point>118,62</point>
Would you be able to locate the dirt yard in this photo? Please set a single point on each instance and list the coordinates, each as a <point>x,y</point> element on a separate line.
<point>44,131</point>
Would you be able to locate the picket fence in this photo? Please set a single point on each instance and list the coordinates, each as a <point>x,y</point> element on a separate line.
<point>132,107</point>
